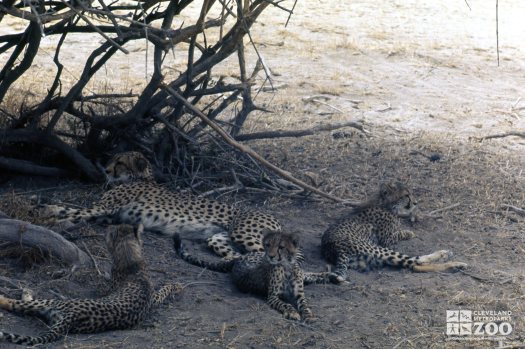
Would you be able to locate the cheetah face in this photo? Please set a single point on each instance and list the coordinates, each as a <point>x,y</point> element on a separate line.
<point>397,197</point>
<point>280,248</point>
<point>126,167</point>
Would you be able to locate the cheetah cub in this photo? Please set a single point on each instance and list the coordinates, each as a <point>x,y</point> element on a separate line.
<point>275,273</point>
<point>127,305</point>
<point>137,199</point>
<point>364,239</point>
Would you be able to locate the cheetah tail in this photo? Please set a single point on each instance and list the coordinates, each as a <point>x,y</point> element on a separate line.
<point>222,266</point>
<point>47,337</point>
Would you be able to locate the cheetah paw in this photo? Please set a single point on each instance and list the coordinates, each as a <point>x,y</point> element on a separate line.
<point>291,315</point>
<point>407,235</point>
<point>457,265</point>
<point>310,318</point>
<point>27,295</point>
<point>442,255</point>
<point>336,279</point>
<point>49,209</point>
<point>446,255</point>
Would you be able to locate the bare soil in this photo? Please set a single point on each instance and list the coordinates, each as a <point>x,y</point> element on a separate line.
<point>423,77</point>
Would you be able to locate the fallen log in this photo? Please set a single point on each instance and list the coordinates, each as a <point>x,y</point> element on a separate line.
<point>43,239</point>
<point>27,167</point>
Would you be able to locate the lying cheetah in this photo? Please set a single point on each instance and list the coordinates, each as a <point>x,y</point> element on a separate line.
<point>137,198</point>
<point>275,273</point>
<point>364,239</point>
<point>126,306</point>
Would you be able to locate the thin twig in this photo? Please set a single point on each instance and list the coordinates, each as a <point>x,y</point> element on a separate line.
<point>95,28</point>
<point>92,258</point>
<point>198,283</point>
<point>497,31</point>
<point>512,346</point>
<point>290,15</point>
<point>514,208</point>
<point>503,135</point>
<point>12,282</point>
<point>431,213</point>
<point>315,99</point>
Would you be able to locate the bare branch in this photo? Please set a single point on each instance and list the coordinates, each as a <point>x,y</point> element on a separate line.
<point>503,135</point>
<point>28,167</point>
<point>248,150</point>
<point>298,133</point>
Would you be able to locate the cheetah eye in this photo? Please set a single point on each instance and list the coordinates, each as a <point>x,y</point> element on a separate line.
<point>120,168</point>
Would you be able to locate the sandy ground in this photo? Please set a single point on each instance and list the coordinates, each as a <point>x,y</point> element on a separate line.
<point>423,77</point>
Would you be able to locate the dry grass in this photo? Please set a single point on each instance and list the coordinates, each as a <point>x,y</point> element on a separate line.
<point>379,35</point>
<point>20,207</point>
<point>386,308</point>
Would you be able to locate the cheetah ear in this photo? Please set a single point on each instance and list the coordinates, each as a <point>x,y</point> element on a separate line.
<point>141,163</point>
<point>386,187</point>
<point>266,233</point>
<point>294,237</point>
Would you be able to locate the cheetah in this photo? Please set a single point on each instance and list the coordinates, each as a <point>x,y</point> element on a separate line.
<point>126,306</point>
<point>364,239</point>
<point>275,273</point>
<point>136,198</point>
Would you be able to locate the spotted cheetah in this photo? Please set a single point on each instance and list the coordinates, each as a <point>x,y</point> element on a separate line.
<point>137,198</point>
<point>364,239</point>
<point>127,305</point>
<point>275,273</point>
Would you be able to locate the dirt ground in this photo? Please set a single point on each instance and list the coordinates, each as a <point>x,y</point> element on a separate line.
<point>424,80</point>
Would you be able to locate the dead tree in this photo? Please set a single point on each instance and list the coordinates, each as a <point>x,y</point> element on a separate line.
<point>67,128</point>
<point>153,120</point>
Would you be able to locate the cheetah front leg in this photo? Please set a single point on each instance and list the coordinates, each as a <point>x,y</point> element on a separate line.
<point>322,278</point>
<point>275,291</point>
<point>298,292</point>
<point>439,267</point>
<point>426,264</point>
<point>220,243</point>
<point>341,267</point>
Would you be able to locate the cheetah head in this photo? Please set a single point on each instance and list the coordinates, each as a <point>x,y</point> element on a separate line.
<point>128,166</point>
<point>280,247</point>
<point>124,244</point>
<point>396,197</point>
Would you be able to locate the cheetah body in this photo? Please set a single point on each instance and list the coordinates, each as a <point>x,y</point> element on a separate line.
<point>365,239</point>
<point>125,307</point>
<point>275,273</point>
<point>140,200</point>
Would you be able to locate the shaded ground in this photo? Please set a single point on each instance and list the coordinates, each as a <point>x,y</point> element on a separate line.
<point>424,79</point>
